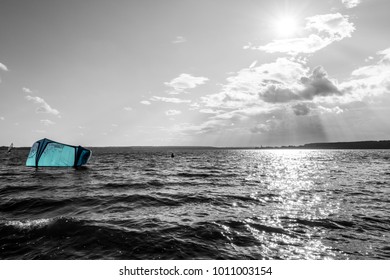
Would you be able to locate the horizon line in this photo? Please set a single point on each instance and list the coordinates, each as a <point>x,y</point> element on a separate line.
<point>227,147</point>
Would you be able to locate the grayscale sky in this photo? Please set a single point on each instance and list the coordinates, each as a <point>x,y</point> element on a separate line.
<point>199,72</point>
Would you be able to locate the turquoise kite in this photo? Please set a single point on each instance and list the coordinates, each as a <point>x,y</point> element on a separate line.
<point>47,152</point>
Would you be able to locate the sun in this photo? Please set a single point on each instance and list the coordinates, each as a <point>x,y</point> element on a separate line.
<point>286,26</point>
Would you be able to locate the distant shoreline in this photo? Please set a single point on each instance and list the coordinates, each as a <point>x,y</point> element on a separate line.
<point>357,145</point>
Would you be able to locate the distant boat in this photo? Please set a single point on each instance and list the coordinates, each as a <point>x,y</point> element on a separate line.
<point>10,148</point>
<point>46,152</point>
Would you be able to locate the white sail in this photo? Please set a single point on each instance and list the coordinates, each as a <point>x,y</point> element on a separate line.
<point>10,147</point>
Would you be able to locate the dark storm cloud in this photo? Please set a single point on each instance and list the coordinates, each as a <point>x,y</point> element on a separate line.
<point>318,84</point>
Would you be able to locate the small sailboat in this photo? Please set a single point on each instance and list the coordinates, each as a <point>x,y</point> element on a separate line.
<point>10,148</point>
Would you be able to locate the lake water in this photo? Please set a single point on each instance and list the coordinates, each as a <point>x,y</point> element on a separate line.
<point>139,203</point>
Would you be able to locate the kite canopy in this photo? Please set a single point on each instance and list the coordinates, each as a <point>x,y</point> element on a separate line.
<point>47,152</point>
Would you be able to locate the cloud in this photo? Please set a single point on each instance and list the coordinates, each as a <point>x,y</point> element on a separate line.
<point>253,64</point>
<point>47,122</point>
<point>323,29</point>
<point>368,59</point>
<point>336,110</point>
<point>250,85</point>
<point>244,121</point>
<point>282,81</point>
<point>127,108</point>
<point>27,90</point>
<point>3,67</point>
<point>2,118</point>
<point>259,99</point>
<point>240,121</point>
<point>306,88</point>
<point>350,3</point>
<point>172,112</point>
<point>278,94</point>
<point>301,109</point>
<point>185,81</point>
<point>179,39</point>
<point>294,46</point>
<point>379,68</point>
<point>269,102</point>
<point>169,100</point>
<point>309,87</point>
<point>318,84</point>
<point>145,102</point>
<point>369,81</point>
<point>206,127</point>
<point>336,26</point>
<point>210,111</point>
<point>260,128</point>
<point>43,106</point>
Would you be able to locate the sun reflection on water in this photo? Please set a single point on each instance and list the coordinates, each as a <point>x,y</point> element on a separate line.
<point>289,188</point>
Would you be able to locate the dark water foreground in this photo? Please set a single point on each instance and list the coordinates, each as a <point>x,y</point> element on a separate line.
<point>201,204</point>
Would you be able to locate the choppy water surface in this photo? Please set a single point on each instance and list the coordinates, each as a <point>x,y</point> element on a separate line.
<point>201,204</point>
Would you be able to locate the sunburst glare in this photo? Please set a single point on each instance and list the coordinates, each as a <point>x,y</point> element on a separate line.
<point>285,26</point>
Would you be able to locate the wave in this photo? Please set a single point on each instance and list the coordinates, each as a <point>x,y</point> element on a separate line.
<point>41,205</point>
<point>43,226</point>
<point>17,189</point>
<point>325,223</point>
<point>194,175</point>
<point>71,237</point>
<point>125,185</point>
<point>28,224</point>
<point>9,174</point>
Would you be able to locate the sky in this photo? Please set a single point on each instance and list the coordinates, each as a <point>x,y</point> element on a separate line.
<point>194,73</point>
